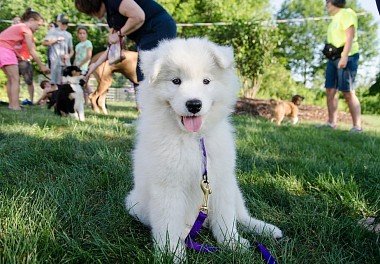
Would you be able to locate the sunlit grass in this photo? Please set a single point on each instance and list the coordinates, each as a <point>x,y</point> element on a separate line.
<point>63,182</point>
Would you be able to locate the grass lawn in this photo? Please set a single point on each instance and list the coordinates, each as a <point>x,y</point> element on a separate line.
<point>62,185</point>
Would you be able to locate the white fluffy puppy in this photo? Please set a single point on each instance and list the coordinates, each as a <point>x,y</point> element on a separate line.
<point>189,90</point>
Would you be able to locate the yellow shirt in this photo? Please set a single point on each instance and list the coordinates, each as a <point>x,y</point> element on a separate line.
<point>336,32</point>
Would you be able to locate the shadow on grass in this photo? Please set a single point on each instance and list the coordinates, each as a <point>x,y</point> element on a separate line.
<point>84,179</point>
<point>314,184</point>
<point>302,179</point>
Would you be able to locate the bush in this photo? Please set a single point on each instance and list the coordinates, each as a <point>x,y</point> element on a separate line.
<point>370,104</point>
<point>3,79</point>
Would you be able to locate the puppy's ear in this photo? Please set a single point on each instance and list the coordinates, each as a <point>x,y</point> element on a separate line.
<point>223,55</point>
<point>150,64</point>
<point>82,82</point>
<point>65,72</point>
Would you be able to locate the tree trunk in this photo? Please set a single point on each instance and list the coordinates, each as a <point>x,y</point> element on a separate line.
<point>252,92</point>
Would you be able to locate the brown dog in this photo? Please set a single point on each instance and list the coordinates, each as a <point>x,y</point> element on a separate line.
<point>103,75</point>
<point>281,109</point>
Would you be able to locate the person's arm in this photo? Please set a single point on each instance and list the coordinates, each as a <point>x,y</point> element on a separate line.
<point>71,47</point>
<point>50,40</point>
<point>43,97</point>
<point>66,57</point>
<point>136,18</point>
<point>96,64</point>
<point>87,58</point>
<point>32,49</point>
<point>350,34</point>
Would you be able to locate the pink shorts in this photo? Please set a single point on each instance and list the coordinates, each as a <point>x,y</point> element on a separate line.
<point>7,57</point>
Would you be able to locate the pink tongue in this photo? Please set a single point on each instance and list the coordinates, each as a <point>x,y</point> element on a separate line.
<point>192,123</point>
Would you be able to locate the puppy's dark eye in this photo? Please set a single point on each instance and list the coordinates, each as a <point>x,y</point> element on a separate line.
<point>206,81</point>
<point>176,81</point>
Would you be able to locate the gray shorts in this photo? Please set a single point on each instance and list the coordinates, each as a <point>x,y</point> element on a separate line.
<point>25,70</point>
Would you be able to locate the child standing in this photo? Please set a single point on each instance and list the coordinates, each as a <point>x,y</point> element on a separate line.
<point>83,54</point>
<point>83,50</point>
<point>14,41</point>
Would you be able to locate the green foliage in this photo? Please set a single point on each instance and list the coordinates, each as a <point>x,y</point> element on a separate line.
<point>301,40</point>
<point>3,79</point>
<point>370,104</point>
<point>193,11</point>
<point>63,184</point>
<point>278,83</point>
<point>119,81</point>
<point>253,44</point>
<point>49,9</point>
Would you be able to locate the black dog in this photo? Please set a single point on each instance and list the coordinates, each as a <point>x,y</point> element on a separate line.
<point>67,71</point>
<point>69,98</point>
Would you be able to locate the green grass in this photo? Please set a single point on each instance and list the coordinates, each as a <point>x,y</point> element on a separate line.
<point>62,185</point>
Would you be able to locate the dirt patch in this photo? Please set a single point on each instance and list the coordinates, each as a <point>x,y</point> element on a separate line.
<point>259,107</point>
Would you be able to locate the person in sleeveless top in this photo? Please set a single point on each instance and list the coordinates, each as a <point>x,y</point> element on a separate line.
<point>144,21</point>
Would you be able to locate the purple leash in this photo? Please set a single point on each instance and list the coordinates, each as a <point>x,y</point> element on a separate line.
<point>197,226</point>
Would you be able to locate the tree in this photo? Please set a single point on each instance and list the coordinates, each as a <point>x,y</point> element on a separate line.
<point>253,44</point>
<point>303,40</point>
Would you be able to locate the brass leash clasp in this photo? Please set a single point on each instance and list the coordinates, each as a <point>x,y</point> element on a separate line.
<point>206,192</point>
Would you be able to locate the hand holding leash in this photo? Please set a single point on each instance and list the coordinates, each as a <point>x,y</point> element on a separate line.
<point>45,69</point>
<point>91,68</point>
<point>113,38</point>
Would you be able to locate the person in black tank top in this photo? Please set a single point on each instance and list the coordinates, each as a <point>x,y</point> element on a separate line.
<point>144,21</point>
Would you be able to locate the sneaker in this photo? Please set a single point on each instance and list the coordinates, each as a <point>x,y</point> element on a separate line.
<point>26,102</point>
<point>327,125</point>
<point>356,130</point>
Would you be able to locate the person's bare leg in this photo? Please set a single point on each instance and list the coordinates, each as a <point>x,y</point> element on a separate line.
<point>13,86</point>
<point>354,107</point>
<point>31,92</point>
<point>332,106</point>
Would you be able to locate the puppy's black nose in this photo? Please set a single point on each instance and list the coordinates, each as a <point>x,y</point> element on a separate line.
<point>194,105</point>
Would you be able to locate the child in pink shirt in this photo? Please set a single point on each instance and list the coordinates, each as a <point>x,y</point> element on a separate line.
<point>17,42</point>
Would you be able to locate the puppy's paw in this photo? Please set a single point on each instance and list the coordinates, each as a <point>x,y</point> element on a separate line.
<point>178,254</point>
<point>236,243</point>
<point>273,231</point>
<point>244,243</point>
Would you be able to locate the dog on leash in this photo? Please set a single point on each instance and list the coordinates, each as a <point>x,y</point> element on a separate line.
<point>281,109</point>
<point>180,105</point>
<point>69,98</point>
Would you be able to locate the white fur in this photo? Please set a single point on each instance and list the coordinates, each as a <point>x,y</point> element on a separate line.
<point>79,102</point>
<point>78,96</point>
<point>168,158</point>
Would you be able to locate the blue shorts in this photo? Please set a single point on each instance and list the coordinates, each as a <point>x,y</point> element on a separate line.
<point>158,28</point>
<point>342,79</point>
